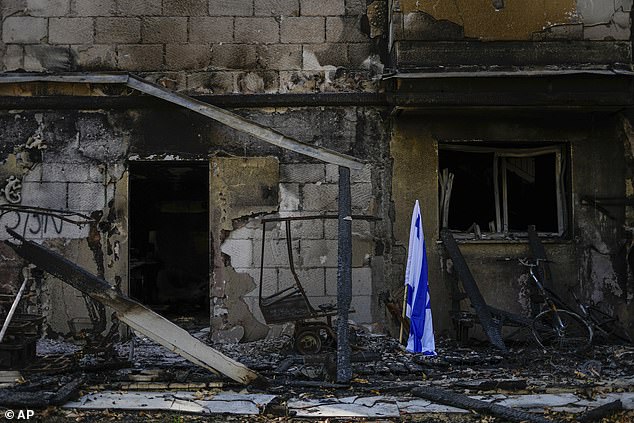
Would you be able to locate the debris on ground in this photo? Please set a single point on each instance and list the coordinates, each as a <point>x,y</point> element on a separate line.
<point>387,381</point>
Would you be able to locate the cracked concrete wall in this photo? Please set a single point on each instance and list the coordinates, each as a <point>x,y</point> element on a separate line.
<point>77,160</point>
<point>591,259</point>
<point>203,46</point>
<point>517,20</point>
<point>67,161</point>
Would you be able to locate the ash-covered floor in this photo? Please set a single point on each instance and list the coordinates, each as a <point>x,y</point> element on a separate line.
<point>140,380</point>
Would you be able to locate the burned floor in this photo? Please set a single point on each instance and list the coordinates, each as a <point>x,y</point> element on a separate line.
<point>139,380</point>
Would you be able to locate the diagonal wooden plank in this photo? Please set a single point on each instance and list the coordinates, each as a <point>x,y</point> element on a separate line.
<point>216,113</point>
<point>492,330</point>
<point>239,123</point>
<point>133,313</point>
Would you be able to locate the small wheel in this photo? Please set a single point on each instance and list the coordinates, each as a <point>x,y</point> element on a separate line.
<point>562,331</point>
<point>308,342</point>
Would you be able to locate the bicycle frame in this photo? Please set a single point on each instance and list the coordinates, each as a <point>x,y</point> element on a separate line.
<point>559,327</point>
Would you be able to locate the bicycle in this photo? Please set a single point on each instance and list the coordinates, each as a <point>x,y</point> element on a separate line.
<point>603,324</point>
<point>556,327</point>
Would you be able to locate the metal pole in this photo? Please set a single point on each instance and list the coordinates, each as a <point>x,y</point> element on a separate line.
<point>344,276</point>
<point>26,272</point>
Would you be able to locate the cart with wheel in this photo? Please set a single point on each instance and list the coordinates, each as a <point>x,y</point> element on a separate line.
<point>313,326</point>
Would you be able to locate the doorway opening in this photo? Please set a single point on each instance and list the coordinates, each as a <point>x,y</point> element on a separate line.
<point>169,238</point>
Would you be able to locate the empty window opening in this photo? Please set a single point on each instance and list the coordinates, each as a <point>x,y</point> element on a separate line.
<point>169,244</point>
<point>498,190</point>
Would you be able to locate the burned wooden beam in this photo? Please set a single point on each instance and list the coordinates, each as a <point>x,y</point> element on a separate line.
<point>239,123</point>
<point>492,330</point>
<point>454,399</point>
<point>596,414</point>
<point>135,315</point>
<point>344,276</point>
<point>39,399</point>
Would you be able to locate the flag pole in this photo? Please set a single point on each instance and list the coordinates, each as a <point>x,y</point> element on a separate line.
<point>400,337</point>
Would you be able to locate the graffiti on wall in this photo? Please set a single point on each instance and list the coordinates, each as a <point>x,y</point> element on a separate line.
<point>12,190</point>
<point>37,223</point>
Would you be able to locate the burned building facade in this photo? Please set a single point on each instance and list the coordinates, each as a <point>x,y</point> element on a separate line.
<point>524,105</point>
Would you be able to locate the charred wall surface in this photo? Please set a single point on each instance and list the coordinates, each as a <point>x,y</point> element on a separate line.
<point>81,164</point>
<point>516,20</point>
<point>589,258</point>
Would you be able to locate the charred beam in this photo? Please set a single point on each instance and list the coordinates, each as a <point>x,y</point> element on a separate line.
<point>221,100</point>
<point>14,398</point>
<point>454,399</point>
<point>241,124</point>
<point>491,329</point>
<point>344,276</point>
<point>599,413</point>
<point>135,315</point>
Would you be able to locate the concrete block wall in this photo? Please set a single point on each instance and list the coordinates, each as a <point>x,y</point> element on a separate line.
<point>68,161</point>
<point>309,189</point>
<point>68,170</point>
<point>210,46</point>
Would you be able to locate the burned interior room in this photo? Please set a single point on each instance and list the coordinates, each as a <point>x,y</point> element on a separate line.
<point>296,209</point>
<point>169,241</point>
<point>503,189</point>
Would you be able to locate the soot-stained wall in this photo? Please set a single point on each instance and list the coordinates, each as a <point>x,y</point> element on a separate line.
<point>590,258</point>
<point>78,160</point>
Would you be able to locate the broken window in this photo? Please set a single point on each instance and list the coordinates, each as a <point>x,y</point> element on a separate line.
<point>498,190</point>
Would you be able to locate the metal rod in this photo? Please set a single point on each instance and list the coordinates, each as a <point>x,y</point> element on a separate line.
<point>262,261</point>
<point>403,316</point>
<point>318,216</point>
<point>344,276</point>
<point>14,306</point>
<point>291,263</point>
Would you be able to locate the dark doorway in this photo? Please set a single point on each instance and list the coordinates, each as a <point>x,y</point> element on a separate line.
<point>169,230</point>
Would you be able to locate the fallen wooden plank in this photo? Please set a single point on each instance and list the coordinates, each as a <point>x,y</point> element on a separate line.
<point>455,399</point>
<point>178,401</point>
<point>10,376</point>
<point>492,330</point>
<point>135,315</point>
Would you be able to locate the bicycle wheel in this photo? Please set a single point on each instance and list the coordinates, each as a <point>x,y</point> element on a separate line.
<point>608,325</point>
<point>562,331</point>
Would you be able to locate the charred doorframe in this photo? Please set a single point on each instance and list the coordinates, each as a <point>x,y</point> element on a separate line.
<point>501,156</point>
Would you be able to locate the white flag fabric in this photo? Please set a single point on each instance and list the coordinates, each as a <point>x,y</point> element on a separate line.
<point>421,328</point>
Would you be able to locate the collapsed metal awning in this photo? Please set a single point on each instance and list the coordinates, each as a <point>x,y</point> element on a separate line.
<point>218,114</point>
<point>135,315</point>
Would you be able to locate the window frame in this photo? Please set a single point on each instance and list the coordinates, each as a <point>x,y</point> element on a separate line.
<point>500,156</point>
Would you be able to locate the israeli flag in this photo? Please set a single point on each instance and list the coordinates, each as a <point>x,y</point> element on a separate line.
<point>421,329</point>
